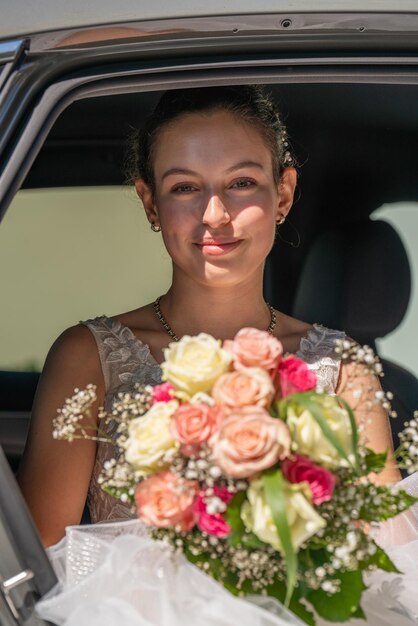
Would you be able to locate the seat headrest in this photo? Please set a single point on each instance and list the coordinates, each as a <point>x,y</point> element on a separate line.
<point>356,278</point>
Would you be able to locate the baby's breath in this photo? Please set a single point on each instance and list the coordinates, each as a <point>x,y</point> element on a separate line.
<point>74,419</point>
<point>407,452</point>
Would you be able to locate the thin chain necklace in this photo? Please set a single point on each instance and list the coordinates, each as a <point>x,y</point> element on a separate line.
<point>173,335</point>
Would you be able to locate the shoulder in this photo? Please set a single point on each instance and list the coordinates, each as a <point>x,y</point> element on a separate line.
<point>141,320</point>
<point>291,331</point>
<point>74,354</point>
<point>76,340</point>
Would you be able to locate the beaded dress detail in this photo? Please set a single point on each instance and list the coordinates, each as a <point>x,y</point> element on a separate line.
<point>126,361</point>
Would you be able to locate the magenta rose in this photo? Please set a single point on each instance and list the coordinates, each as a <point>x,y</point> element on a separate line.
<point>210,508</point>
<point>162,393</point>
<point>320,480</point>
<point>295,376</point>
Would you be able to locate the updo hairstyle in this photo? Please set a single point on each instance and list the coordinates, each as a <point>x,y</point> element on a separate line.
<point>250,103</point>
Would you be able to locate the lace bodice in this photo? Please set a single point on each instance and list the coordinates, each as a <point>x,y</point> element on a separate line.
<point>126,361</point>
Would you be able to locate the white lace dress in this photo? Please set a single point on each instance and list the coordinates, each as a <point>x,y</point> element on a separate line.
<point>112,574</point>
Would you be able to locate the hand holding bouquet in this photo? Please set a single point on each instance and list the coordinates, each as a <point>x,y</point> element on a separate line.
<point>241,463</point>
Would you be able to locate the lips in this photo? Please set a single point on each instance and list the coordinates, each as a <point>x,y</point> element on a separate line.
<point>216,247</point>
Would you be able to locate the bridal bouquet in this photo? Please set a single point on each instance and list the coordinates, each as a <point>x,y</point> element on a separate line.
<point>242,463</point>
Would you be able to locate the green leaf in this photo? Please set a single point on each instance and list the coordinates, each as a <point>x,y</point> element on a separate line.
<point>307,401</point>
<point>273,483</point>
<point>278,591</point>
<point>381,560</point>
<point>359,614</point>
<point>281,408</point>
<point>354,432</point>
<point>233,517</point>
<point>375,461</point>
<point>340,606</point>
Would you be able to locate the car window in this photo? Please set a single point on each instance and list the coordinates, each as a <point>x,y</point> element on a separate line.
<point>70,254</point>
<point>401,345</point>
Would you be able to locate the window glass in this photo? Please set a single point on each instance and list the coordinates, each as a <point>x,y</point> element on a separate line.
<point>401,345</point>
<point>71,254</point>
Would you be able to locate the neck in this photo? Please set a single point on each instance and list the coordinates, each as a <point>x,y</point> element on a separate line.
<point>221,312</point>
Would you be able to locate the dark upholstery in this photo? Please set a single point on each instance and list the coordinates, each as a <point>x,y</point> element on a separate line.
<point>357,278</point>
<point>17,390</point>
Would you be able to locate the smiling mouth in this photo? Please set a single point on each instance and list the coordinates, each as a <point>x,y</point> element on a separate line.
<point>216,248</point>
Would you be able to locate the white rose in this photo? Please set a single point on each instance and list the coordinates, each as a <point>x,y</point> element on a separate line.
<point>150,445</point>
<point>193,364</point>
<point>309,439</point>
<point>302,518</point>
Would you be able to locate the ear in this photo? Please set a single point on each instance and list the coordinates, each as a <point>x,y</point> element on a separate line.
<point>145,194</point>
<point>286,190</point>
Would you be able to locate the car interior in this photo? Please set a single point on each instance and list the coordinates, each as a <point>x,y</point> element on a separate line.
<point>355,146</point>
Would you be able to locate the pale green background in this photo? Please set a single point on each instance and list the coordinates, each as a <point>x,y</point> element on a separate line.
<point>71,254</point>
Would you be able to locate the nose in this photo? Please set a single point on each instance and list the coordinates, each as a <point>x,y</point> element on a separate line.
<point>215,213</point>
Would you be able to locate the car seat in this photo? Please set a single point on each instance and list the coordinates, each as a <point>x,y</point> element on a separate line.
<point>17,390</point>
<point>357,278</point>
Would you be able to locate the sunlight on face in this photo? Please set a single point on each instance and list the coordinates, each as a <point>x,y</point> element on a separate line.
<point>216,198</point>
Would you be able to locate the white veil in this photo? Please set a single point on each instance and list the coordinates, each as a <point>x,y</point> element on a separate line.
<point>113,574</point>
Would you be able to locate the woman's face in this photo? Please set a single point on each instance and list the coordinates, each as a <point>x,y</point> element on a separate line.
<point>215,197</point>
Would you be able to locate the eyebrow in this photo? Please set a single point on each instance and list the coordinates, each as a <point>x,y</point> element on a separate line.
<point>180,170</point>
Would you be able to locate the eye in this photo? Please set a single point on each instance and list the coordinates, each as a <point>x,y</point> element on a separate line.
<point>183,188</point>
<point>243,183</point>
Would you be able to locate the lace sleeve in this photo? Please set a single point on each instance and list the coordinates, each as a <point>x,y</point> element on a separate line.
<point>318,350</point>
<point>124,359</point>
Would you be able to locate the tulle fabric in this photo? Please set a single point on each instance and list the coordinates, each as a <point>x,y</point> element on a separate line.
<point>113,574</point>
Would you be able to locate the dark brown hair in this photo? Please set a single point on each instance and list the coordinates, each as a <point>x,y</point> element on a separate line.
<point>250,103</point>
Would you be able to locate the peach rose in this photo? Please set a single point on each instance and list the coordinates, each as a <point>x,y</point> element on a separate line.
<point>166,501</point>
<point>254,348</point>
<point>249,441</point>
<point>247,387</point>
<point>193,424</point>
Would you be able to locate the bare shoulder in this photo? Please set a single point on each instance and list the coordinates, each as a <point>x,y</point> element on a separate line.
<point>139,320</point>
<point>291,331</point>
<point>76,341</point>
<point>73,361</point>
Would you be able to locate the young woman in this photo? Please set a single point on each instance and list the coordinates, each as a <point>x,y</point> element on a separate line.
<point>215,176</point>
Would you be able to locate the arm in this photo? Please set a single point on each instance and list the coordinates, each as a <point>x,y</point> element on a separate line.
<point>372,418</point>
<point>54,475</point>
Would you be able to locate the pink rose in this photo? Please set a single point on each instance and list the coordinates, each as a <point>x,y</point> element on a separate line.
<point>209,508</point>
<point>295,376</point>
<point>254,348</point>
<point>247,387</point>
<point>162,393</point>
<point>194,424</point>
<point>320,480</point>
<point>166,501</point>
<point>248,441</point>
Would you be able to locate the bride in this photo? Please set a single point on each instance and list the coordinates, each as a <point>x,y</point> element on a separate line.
<point>213,170</point>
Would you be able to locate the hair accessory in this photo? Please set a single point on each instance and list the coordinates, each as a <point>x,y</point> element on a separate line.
<point>170,331</point>
<point>155,227</point>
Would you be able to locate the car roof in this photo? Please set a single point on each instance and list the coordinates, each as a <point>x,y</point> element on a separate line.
<point>35,16</point>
